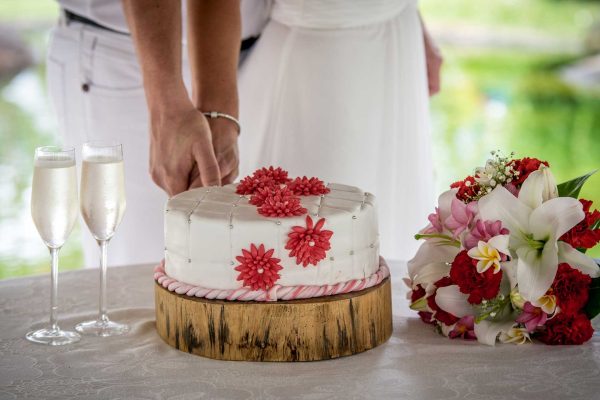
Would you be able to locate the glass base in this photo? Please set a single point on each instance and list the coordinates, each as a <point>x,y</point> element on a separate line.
<point>53,337</point>
<point>102,328</point>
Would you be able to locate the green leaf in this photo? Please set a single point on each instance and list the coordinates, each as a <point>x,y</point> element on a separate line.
<point>573,187</point>
<point>592,308</point>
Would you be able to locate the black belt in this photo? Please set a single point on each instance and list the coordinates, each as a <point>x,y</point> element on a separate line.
<point>72,17</point>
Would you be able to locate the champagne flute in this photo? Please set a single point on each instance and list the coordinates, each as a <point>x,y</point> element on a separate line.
<point>54,212</point>
<point>102,207</point>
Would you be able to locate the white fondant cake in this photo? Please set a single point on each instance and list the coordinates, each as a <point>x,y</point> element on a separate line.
<point>207,228</point>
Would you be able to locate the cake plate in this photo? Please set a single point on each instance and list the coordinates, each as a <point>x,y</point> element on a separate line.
<point>313,329</point>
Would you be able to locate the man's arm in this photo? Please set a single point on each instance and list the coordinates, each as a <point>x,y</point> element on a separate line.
<point>180,138</point>
<point>214,47</point>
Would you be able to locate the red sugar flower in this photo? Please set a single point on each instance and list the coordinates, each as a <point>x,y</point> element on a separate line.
<point>259,196</point>
<point>308,186</point>
<point>571,289</point>
<point>261,178</point>
<point>309,244</point>
<point>277,175</point>
<point>258,268</point>
<point>582,236</point>
<point>444,317</point>
<point>479,286</point>
<point>523,167</point>
<point>567,329</point>
<point>281,203</point>
<point>251,184</point>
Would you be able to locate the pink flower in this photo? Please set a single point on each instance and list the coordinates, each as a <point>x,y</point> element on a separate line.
<point>483,231</point>
<point>464,328</point>
<point>532,317</point>
<point>461,216</point>
<point>436,223</point>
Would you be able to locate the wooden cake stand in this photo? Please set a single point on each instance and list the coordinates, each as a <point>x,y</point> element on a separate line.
<point>320,328</point>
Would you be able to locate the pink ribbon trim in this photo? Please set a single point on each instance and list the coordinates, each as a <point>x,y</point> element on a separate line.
<point>277,292</point>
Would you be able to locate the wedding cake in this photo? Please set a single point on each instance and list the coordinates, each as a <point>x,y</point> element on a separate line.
<point>271,238</point>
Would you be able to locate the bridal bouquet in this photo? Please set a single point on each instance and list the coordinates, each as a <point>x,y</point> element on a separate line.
<point>504,257</point>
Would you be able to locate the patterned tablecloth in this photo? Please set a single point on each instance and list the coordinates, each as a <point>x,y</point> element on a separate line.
<point>415,364</point>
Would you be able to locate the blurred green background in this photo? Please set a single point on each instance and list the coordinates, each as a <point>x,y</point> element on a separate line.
<point>519,75</point>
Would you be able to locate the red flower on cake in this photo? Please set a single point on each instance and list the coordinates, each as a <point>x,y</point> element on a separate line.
<point>261,178</point>
<point>523,167</point>
<point>259,196</point>
<point>308,186</point>
<point>443,316</point>
<point>479,286</point>
<point>571,289</point>
<point>582,236</point>
<point>281,203</point>
<point>468,189</point>
<point>258,268</point>
<point>567,329</point>
<point>309,244</point>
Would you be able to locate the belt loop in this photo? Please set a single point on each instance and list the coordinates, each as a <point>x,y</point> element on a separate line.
<point>62,18</point>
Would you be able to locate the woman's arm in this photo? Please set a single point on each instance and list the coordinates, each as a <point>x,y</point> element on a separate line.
<point>434,60</point>
<point>181,149</point>
<point>214,47</point>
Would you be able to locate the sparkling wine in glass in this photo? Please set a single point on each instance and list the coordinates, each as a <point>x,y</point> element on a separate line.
<point>54,212</point>
<point>102,206</point>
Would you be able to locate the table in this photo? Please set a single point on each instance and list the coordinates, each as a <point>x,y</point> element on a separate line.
<point>416,363</point>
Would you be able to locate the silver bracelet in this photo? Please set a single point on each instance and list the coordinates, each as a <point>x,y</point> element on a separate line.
<point>216,114</point>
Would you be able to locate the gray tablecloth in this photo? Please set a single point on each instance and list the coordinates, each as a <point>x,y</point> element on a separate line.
<point>415,364</point>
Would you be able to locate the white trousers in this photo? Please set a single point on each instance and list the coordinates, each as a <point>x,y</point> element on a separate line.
<point>95,87</point>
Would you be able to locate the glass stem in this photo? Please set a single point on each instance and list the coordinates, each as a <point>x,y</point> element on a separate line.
<point>103,317</point>
<point>54,289</point>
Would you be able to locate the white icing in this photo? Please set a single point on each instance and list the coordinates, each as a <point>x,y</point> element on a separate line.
<point>206,228</point>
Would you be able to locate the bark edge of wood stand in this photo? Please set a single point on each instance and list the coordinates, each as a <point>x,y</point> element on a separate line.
<point>300,330</point>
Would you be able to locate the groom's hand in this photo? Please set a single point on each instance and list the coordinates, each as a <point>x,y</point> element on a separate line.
<point>181,151</point>
<point>225,143</point>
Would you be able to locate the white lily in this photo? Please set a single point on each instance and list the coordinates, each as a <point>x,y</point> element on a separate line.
<point>431,262</point>
<point>536,221</point>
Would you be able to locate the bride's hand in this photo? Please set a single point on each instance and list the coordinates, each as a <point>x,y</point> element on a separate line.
<point>434,60</point>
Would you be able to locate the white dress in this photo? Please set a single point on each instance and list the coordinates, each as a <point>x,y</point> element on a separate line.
<point>338,90</point>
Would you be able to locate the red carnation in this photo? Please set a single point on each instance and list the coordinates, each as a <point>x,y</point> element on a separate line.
<point>309,244</point>
<point>264,177</point>
<point>444,317</point>
<point>308,186</point>
<point>523,167</point>
<point>582,236</point>
<point>281,203</point>
<point>567,329</point>
<point>258,269</point>
<point>478,286</point>
<point>468,189</point>
<point>571,288</point>
<point>416,294</point>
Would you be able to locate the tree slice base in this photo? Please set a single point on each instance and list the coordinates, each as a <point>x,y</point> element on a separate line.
<point>320,328</point>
